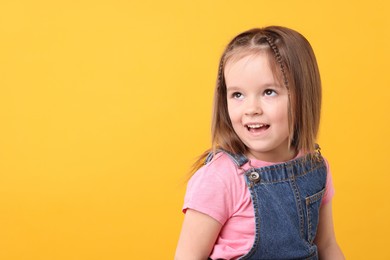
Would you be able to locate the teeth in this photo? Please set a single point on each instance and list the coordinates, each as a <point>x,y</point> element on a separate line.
<point>255,126</point>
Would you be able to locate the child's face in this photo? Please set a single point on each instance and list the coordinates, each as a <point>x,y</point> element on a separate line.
<point>258,108</point>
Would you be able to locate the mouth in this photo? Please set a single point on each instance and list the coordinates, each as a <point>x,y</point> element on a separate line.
<point>254,128</point>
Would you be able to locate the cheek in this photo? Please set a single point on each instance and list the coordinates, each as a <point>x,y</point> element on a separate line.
<point>281,109</point>
<point>280,115</point>
<point>283,113</point>
<point>233,114</point>
<point>230,110</point>
<point>283,120</point>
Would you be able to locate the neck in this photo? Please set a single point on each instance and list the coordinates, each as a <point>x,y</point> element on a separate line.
<point>276,156</point>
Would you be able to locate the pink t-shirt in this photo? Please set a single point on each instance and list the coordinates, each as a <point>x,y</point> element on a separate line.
<point>218,189</point>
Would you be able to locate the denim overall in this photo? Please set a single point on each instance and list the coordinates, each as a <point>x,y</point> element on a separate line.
<point>286,198</point>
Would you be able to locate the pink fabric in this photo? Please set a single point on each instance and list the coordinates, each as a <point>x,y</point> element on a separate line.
<point>218,189</point>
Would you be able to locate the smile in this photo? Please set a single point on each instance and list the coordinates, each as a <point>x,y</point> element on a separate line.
<point>256,127</point>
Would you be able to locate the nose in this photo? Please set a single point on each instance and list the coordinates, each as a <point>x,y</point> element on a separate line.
<point>253,107</point>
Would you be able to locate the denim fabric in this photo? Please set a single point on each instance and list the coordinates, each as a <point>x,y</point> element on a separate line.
<point>286,198</point>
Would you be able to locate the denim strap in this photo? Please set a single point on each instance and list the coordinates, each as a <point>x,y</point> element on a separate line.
<point>238,159</point>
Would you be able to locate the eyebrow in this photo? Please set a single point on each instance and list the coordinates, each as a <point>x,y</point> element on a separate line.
<point>233,88</point>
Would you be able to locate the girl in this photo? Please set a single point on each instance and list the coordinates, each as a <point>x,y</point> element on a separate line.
<point>264,191</point>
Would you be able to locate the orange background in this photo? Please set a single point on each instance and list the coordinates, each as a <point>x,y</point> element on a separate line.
<point>104,105</point>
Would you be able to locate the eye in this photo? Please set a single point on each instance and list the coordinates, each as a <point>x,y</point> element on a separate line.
<point>270,92</point>
<point>237,95</point>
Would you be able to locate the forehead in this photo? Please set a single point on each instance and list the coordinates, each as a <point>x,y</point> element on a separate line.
<point>245,57</point>
<point>249,70</point>
<point>253,65</point>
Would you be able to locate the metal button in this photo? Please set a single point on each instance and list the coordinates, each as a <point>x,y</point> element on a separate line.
<point>254,176</point>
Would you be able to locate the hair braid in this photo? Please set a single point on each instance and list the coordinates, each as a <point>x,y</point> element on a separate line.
<point>291,119</point>
<point>278,58</point>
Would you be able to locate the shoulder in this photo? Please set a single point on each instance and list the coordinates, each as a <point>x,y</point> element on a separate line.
<point>221,167</point>
<point>221,161</point>
<point>326,162</point>
<point>214,188</point>
<point>329,188</point>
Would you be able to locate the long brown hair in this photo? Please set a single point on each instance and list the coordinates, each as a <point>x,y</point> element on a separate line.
<point>294,64</point>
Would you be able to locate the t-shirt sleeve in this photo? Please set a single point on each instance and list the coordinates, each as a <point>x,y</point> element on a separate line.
<point>329,188</point>
<point>208,193</point>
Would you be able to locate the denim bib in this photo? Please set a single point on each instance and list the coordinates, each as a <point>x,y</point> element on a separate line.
<point>286,198</point>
